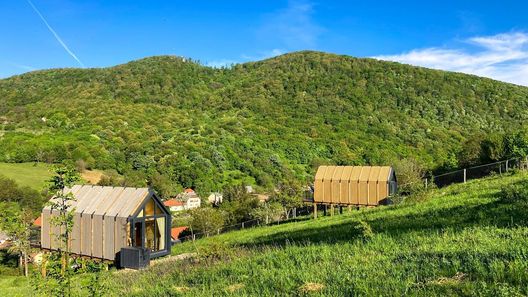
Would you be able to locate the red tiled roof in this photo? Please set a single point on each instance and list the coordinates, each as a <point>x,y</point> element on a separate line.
<point>37,222</point>
<point>189,191</point>
<point>173,202</point>
<point>176,231</point>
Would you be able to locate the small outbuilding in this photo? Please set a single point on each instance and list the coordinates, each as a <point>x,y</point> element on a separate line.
<point>354,185</point>
<point>107,219</point>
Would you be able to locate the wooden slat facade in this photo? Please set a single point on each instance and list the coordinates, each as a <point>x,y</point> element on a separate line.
<point>353,185</point>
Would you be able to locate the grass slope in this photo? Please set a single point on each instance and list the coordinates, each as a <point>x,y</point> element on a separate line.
<point>461,240</point>
<point>27,174</point>
<point>36,175</point>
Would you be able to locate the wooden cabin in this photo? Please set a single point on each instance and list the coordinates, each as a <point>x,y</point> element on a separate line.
<point>354,185</point>
<point>107,219</point>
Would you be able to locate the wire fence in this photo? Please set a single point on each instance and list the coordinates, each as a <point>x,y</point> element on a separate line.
<point>440,180</point>
<point>298,214</point>
<point>475,172</point>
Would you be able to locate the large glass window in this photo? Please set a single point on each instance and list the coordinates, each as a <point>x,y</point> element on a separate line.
<point>151,234</point>
<point>149,208</point>
<point>160,226</point>
<point>149,227</point>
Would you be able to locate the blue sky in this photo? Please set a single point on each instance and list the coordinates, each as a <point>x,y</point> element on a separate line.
<point>479,37</point>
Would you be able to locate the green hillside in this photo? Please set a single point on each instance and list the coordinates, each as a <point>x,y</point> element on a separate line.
<point>463,240</point>
<point>175,123</point>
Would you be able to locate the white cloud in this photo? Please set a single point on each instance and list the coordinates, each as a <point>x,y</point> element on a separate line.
<point>502,57</point>
<point>292,27</point>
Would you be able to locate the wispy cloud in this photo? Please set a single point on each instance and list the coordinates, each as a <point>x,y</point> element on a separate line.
<point>221,63</point>
<point>502,57</point>
<point>24,67</point>
<point>55,34</point>
<point>264,55</point>
<point>293,27</point>
<point>245,58</point>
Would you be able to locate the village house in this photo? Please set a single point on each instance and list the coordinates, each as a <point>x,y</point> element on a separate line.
<point>176,233</point>
<point>3,239</point>
<point>215,198</point>
<point>184,201</point>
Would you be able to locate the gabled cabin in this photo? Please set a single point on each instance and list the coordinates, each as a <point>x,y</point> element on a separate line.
<point>354,185</point>
<point>107,219</point>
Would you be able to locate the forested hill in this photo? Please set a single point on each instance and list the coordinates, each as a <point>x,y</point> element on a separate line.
<point>171,121</point>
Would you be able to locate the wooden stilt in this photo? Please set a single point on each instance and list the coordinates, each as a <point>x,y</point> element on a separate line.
<point>315,210</point>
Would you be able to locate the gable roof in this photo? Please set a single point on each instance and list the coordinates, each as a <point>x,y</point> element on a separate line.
<point>173,202</point>
<point>111,201</point>
<point>354,173</point>
<point>176,231</point>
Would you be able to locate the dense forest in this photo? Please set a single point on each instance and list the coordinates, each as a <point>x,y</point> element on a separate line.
<point>171,122</point>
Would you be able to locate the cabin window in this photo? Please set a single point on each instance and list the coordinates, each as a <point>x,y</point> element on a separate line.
<point>160,225</point>
<point>149,208</point>
<point>392,188</point>
<point>149,227</point>
<point>151,234</point>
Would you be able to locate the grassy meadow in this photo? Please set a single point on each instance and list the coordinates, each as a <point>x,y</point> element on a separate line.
<point>36,175</point>
<point>33,175</point>
<point>464,240</point>
<point>461,240</point>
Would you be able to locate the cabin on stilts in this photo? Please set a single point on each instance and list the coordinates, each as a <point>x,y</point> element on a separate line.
<point>354,185</point>
<point>110,219</point>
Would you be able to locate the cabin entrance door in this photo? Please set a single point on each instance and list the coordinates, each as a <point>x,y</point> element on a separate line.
<point>138,234</point>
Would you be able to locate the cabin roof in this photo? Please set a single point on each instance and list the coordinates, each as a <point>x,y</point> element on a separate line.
<point>109,201</point>
<point>354,173</point>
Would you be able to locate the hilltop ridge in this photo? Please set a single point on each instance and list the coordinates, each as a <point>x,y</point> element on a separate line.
<point>169,119</point>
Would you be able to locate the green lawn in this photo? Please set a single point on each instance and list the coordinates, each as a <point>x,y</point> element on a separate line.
<point>27,174</point>
<point>462,240</point>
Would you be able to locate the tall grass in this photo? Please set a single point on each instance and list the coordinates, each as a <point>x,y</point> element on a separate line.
<point>462,240</point>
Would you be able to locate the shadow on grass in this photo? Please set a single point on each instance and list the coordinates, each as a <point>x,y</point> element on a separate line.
<point>494,213</point>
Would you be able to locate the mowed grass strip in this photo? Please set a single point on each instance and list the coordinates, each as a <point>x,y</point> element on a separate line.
<point>460,240</point>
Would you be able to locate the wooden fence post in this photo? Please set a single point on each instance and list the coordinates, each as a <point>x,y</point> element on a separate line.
<point>464,175</point>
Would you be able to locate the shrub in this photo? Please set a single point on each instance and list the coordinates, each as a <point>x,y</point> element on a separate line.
<point>514,192</point>
<point>364,230</point>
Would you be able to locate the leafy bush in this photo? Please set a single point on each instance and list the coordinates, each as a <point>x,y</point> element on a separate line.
<point>364,230</point>
<point>515,192</point>
<point>206,220</point>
